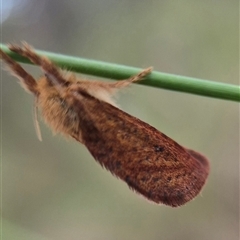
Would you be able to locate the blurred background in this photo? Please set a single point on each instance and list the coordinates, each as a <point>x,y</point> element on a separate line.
<point>54,189</point>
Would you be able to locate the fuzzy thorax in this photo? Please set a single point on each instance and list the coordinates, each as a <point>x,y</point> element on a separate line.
<point>56,106</point>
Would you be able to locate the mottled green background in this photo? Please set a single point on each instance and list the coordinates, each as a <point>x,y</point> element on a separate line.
<point>54,189</point>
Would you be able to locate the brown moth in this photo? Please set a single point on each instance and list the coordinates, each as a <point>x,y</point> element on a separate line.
<point>151,163</point>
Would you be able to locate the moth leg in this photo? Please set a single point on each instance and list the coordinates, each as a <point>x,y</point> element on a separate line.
<point>27,80</point>
<point>36,122</point>
<point>124,83</point>
<point>105,91</point>
<point>52,73</point>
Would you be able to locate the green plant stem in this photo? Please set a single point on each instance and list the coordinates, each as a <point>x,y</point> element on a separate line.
<point>155,79</point>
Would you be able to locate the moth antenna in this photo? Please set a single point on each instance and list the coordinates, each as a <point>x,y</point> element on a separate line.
<point>140,76</point>
<point>52,73</point>
<point>27,81</point>
<point>36,122</point>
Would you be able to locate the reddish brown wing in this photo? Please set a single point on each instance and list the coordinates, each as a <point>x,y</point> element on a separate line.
<point>151,163</point>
